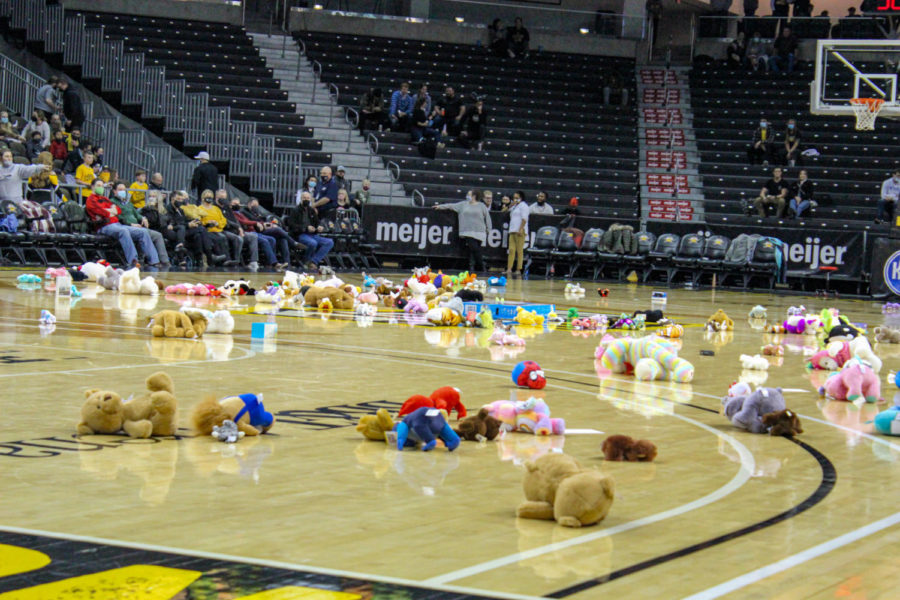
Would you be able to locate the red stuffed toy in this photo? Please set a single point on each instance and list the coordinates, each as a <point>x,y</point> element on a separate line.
<point>445,398</point>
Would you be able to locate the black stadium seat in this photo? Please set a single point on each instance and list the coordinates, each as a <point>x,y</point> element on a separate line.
<point>713,253</point>
<point>544,243</point>
<point>587,254</point>
<point>687,259</point>
<point>660,258</point>
<point>564,252</point>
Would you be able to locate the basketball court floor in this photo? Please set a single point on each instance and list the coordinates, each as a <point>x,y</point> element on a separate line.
<point>314,511</point>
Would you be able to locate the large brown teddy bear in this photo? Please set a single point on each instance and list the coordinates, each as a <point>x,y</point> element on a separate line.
<point>339,299</point>
<point>151,414</point>
<point>212,412</point>
<point>558,487</point>
<point>173,323</point>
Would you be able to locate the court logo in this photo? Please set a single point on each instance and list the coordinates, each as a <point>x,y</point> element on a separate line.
<point>892,272</point>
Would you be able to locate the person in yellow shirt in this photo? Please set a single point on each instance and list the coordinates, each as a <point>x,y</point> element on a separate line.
<point>212,218</point>
<point>137,189</point>
<point>84,174</point>
<point>106,174</point>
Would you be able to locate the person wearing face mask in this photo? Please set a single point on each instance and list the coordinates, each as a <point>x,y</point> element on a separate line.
<point>39,124</point>
<point>791,151</point>
<point>541,206</point>
<point>59,148</point>
<point>8,133</point>
<point>760,150</point>
<point>131,216</point>
<point>12,176</point>
<point>325,198</point>
<point>309,185</point>
<point>505,203</point>
<point>474,226</point>
<point>264,243</point>
<point>362,196</point>
<point>34,146</point>
<point>234,233</point>
<point>757,56</point>
<point>802,195</point>
<point>105,217</point>
<point>303,223</point>
<point>191,235</point>
<point>268,226</point>
<point>890,192</point>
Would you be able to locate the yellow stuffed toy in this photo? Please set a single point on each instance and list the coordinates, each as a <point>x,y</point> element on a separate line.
<point>529,317</point>
<point>176,324</point>
<point>374,426</point>
<point>719,321</point>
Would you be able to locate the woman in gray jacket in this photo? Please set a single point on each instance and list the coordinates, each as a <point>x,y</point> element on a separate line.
<point>474,225</point>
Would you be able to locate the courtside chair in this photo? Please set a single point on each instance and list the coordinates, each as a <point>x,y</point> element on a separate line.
<point>544,243</point>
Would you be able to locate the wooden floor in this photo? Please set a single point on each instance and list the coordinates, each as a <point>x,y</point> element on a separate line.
<point>720,513</point>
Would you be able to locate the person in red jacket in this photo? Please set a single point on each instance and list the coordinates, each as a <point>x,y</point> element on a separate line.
<point>59,147</point>
<point>105,216</point>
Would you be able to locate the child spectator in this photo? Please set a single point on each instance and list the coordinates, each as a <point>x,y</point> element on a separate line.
<point>85,175</point>
<point>137,189</point>
<point>344,210</point>
<point>59,147</point>
<point>34,146</point>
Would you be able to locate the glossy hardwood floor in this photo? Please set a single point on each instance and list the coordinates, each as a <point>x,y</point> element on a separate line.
<point>720,512</point>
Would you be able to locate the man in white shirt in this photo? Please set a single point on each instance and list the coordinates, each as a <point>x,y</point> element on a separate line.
<point>518,232</point>
<point>890,191</point>
<point>541,207</point>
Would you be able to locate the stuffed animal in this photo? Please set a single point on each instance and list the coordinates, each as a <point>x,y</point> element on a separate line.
<point>757,312</point>
<point>783,422</point>
<point>28,278</point>
<point>147,415</point>
<point>47,318</point>
<point>558,488</point>
<point>246,410</point>
<point>591,323</point>
<point>528,318</point>
<point>236,287</point>
<point>131,283</point>
<point>110,278</point>
<point>831,358</point>
<point>529,374</point>
<point>528,416</point>
<point>478,427</point>
<point>672,331</point>
<point>754,363</point>
<point>172,323</point>
<point>841,333</point>
<point>796,311</point>
<point>647,358</point>
<point>444,398</point>
<point>322,296</point>
<point>772,350</point>
<point>227,432</point>
<point>93,270</point>
<point>497,281</point>
<point>887,335</point>
<point>860,347</point>
<point>855,380</point>
<point>890,308</point>
<point>747,411</point>
<point>573,289</point>
<point>888,421</point>
<point>373,427</point>
<point>220,321</point>
<point>626,322</point>
<point>719,321</point>
<point>802,324</point>
<point>650,316</point>
<point>271,294</point>
<point>425,425</point>
<point>467,295</point>
<point>449,314</point>
<point>415,306</point>
<point>502,337</point>
<point>368,298</point>
<point>623,447</point>
<point>366,310</point>
<point>739,388</point>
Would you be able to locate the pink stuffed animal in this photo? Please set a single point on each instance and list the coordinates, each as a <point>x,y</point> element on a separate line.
<point>368,298</point>
<point>832,357</point>
<point>855,380</point>
<point>801,325</point>
<point>415,307</point>
<point>180,289</point>
<point>504,338</point>
<point>528,416</point>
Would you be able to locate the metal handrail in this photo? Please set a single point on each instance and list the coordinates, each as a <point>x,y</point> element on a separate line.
<point>420,195</point>
<point>372,143</point>
<point>333,94</point>
<point>352,118</point>
<point>100,125</point>
<point>317,76</point>
<point>137,166</point>
<point>394,179</point>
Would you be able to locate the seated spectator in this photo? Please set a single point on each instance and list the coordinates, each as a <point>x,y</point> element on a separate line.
<point>137,189</point>
<point>774,193</point>
<point>400,112</point>
<point>39,124</point>
<point>303,223</point>
<point>613,85</point>
<point>73,161</point>
<point>344,210</point>
<point>157,219</point>
<point>74,136</point>
<point>362,196</point>
<point>56,124</point>
<point>371,111</point>
<point>326,194</point>
<point>541,206</point>
<point>105,217</point>
<point>474,125</point>
<point>269,226</point>
<point>85,174</point>
<point>34,146</point>
<point>452,111</point>
<point>890,191</point>
<point>235,234</point>
<point>737,49</point>
<point>214,221</point>
<point>757,58</point>
<point>517,39</point>
<point>497,43</point>
<point>422,125</point>
<point>761,146</point>
<point>254,240</point>
<point>45,184</point>
<point>190,233</point>
<point>98,156</point>
<point>131,216</point>
<point>59,147</point>
<point>801,196</point>
<point>156,182</point>
<point>107,174</point>
<point>8,133</point>
<point>784,48</point>
<point>423,94</point>
<point>791,150</point>
<point>340,178</point>
<point>13,176</point>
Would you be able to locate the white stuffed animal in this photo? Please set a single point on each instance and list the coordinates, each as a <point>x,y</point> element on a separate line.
<point>220,321</point>
<point>131,283</point>
<point>92,270</point>
<point>755,362</point>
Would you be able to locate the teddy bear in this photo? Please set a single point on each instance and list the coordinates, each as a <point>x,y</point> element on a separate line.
<point>673,331</point>
<point>219,321</point>
<point>802,324</point>
<point>110,278</point>
<point>719,321</point>
<point>783,422</point>
<point>444,398</point>
<point>271,294</point>
<point>754,363</point>
<point>557,487</point>
<point>757,312</point>
<point>147,415</point>
<point>772,350</point>
<point>478,427</point>
<point>448,314</point>
<point>247,410</point>
<point>323,297</point>
<point>648,358</point>
<point>172,323</point>
<point>855,380</point>
<point>623,447</point>
<point>425,425</point>
<point>746,411</point>
<point>130,282</point>
<point>527,416</point>
<point>887,335</point>
<point>373,427</point>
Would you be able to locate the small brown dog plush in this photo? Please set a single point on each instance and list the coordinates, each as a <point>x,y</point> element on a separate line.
<point>482,424</point>
<point>622,447</point>
<point>783,422</point>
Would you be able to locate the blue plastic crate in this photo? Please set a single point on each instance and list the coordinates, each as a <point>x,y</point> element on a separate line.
<point>507,311</point>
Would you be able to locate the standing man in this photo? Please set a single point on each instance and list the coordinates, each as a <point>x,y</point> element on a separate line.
<point>518,233</point>
<point>326,194</point>
<point>45,99</point>
<point>454,111</point>
<point>890,191</point>
<point>72,107</point>
<point>206,176</point>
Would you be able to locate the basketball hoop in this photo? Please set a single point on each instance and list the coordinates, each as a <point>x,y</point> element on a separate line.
<point>866,110</point>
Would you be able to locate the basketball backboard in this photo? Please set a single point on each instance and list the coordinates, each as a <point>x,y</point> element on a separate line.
<point>848,69</point>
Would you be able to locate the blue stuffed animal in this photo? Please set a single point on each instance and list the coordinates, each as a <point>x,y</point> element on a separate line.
<point>424,425</point>
<point>497,281</point>
<point>888,421</point>
<point>253,406</point>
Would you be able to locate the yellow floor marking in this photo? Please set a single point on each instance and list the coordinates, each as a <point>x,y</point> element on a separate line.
<point>137,582</point>
<point>15,560</point>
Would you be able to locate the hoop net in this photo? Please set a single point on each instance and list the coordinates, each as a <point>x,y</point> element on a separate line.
<point>866,110</point>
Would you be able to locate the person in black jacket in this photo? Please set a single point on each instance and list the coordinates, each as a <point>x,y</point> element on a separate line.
<point>474,125</point>
<point>72,107</point>
<point>801,195</point>
<point>303,223</point>
<point>190,234</point>
<point>206,176</point>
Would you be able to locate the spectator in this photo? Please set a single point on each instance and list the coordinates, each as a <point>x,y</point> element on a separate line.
<point>517,39</point>
<point>326,194</point>
<point>73,161</point>
<point>541,206</point>
<point>802,195</point>
<point>340,178</point>
<point>157,219</point>
<point>252,238</point>
<point>131,216</point>
<point>269,226</point>
<point>214,221</point>
<point>56,124</point>
<point>475,125</point>
<point>303,223</point>
<point>156,182</point>
<point>362,196</point>
<point>791,152</point>
<point>106,174</point>
<point>12,176</point>
<point>497,38</point>
<point>98,156</point>
<point>234,233</point>
<point>45,180</point>
<point>85,174</point>
<point>190,233</point>
<point>505,203</point>
<point>784,48</point>
<point>802,8</point>
<point>518,233</point>
<point>423,94</point>
<point>206,175</point>
<point>422,125</point>
<point>8,133</point>
<point>489,200</point>
<point>400,113</point>
<point>890,191</point>
<point>774,193</point>
<point>344,210</point>
<point>453,111</point>
<point>371,111</point>
<point>138,189</point>
<point>59,148</point>
<point>654,9</point>
<point>757,54</point>
<point>737,49</point>
<point>761,146</point>
<point>72,107</point>
<point>105,216</point>
<point>750,7</point>
<point>613,84</point>
<point>74,136</point>
<point>780,8</point>
<point>45,99</point>
<point>38,123</point>
<point>309,185</point>
<point>34,146</point>
<point>474,226</point>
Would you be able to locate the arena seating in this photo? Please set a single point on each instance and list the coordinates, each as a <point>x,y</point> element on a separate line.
<point>847,173</point>
<point>548,129</point>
